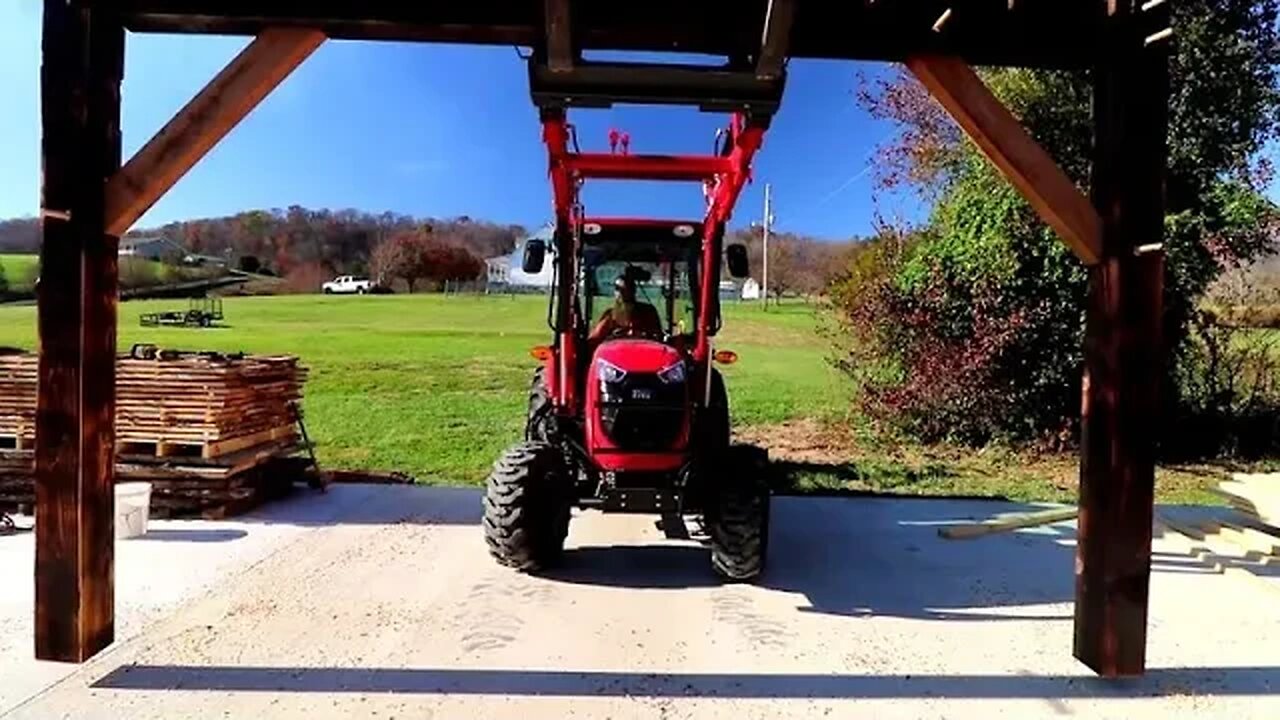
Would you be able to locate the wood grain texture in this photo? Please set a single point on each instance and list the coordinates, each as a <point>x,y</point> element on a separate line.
<point>204,121</point>
<point>80,79</point>
<point>1124,357</point>
<point>984,32</point>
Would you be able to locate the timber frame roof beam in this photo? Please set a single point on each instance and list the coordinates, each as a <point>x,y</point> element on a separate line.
<point>559,27</point>
<point>204,121</point>
<point>1042,33</point>
<point>1014,152</point>
<point>776,39</point>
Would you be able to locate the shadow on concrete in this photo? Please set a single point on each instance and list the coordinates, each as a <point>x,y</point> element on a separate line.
<point>884,557</point>
<point>660,566</point>
<point>359,504</point>
<point>869,557</point>
<point>191,535</point>
<point>567,683</point>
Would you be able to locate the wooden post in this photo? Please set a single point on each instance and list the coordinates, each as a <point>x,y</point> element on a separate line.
<point>1123,353</point>
<point>80,83</point>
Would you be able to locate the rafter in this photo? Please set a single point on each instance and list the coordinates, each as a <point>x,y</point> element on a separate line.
<point>205,120</point>
<point>559,30</point>
<point>1012,149</point>
<point>776,39</point>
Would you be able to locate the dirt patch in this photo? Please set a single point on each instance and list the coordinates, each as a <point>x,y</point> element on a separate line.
<point>811,456</point>
<point>804,440</point>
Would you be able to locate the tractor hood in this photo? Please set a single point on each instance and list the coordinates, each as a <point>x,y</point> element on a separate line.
<point>637,356</point>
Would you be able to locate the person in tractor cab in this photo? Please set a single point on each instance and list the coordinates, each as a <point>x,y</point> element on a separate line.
<point>627,316</point>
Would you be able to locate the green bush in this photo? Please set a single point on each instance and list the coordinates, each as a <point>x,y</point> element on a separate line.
<point>973,329</point>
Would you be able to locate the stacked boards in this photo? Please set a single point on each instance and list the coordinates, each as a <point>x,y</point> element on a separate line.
<point>214,434</point>
<point>17,400</point>
<point>1245,543</point>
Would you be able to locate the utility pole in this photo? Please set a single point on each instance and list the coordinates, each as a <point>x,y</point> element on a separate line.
<point>768,220</point>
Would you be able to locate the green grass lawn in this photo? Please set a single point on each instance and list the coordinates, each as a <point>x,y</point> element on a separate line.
<point>435,386</point>
<point>18,269</point>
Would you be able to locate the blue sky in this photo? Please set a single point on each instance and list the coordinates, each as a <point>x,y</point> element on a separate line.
<point>440,130</point>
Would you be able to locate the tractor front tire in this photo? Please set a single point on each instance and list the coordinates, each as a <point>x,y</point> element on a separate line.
<point>715,428</point>
<point>526,507</point>
<point>737,516</point>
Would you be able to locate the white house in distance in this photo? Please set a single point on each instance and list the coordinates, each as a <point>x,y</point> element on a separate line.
<point>498,270</point>
<point>151,247</point>
<point>750,289</point>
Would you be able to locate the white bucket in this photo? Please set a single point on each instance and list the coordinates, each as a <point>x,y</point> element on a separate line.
<point>133,508</point>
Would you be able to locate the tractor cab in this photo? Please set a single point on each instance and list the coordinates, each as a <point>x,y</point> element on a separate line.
<point>657,263</point>
<point>638,287</point>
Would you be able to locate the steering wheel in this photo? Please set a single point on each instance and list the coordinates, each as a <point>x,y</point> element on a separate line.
<point>631,332</point>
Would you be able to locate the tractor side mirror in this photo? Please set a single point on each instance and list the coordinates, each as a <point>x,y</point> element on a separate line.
<point>535,252</point>
<point>736,256</point>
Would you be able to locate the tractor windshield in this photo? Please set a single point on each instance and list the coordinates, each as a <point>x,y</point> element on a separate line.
<point>664,275</point>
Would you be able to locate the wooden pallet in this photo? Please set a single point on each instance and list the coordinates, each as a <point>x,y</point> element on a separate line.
<point>16,441</point>
<point>259,475</point>
<point>137,444</point>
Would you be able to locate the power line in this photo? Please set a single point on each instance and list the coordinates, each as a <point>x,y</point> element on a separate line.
<point>875,148</point>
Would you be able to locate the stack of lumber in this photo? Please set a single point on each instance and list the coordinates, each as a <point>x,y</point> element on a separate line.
<point>204,405</point>
<point>1257,497</point>
<point>17,400</point>
<point>192,404</point>
<point>213,434</point>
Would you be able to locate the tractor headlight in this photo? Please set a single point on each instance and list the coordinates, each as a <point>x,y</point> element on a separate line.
<point>609,372</point>
<point>673,373</point>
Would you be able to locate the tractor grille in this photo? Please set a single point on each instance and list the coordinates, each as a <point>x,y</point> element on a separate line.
<point>641,412</point>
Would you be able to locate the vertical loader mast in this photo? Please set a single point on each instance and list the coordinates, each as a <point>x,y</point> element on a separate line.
<point>750,89</point>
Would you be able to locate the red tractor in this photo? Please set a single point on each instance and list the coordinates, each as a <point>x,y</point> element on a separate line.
<point>627,412</point>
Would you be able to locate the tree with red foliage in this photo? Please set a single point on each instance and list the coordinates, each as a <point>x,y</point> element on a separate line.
<point>401,256</point>
<point>422,255</point>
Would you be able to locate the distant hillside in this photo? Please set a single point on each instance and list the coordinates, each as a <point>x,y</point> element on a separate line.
<point>322,241</point>
<point>20,235</point>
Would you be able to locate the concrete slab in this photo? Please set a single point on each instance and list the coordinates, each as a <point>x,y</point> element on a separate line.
<point>176,561</point>
<point>389,606</point>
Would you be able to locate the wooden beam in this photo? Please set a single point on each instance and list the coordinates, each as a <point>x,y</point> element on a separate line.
<point>983,32</point>
<point>1007,523</point>
<point>83,57</point>
<point>776,39</point>
<point>559,35</point>
<point>1124,358</point>
<point>205,120</point>
<point>1018,156</point>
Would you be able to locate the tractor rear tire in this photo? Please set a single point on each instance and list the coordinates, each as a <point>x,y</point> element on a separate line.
<point>526,507</point>
<point>539,418</point>
<point>737,516</point>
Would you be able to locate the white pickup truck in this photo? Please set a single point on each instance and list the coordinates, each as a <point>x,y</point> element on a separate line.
<point>347,284</point>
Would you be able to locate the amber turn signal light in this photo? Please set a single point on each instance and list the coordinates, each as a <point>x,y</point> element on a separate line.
<point>541,352</point>
<point>726,357</point>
